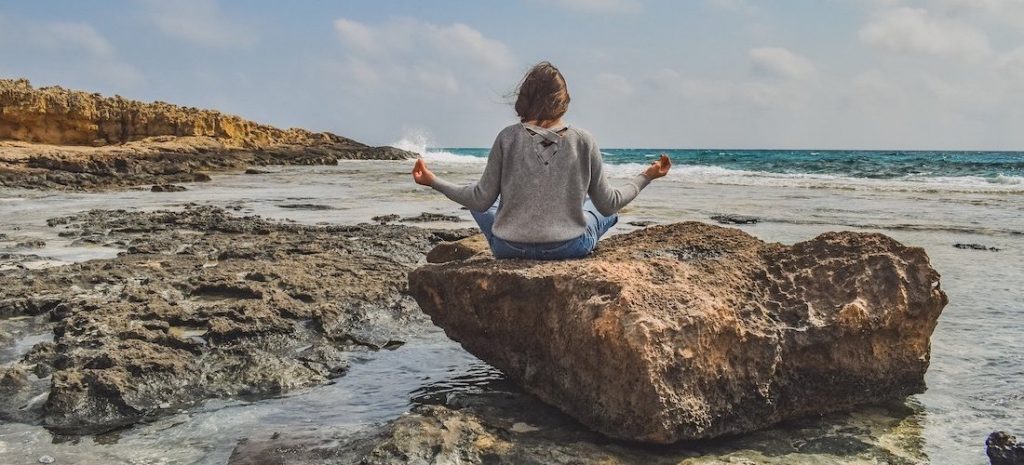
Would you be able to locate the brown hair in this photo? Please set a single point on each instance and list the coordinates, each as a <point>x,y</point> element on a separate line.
<point>542,95</point>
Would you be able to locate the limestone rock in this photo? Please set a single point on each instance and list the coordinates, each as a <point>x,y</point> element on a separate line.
<point>459,250</point>
<point>691,331</point>
<point>58,116</point>
<point>247,307</point>
<point>54,137</point>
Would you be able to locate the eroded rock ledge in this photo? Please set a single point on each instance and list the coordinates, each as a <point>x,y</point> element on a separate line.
<point>692,331</point>
<point>202,304</point>
<point>54,137</point>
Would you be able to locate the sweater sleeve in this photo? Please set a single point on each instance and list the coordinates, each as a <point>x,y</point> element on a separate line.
<point>606,198</point>
<point>482,194</point>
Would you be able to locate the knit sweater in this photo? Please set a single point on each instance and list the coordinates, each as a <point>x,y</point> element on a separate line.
<point>543,177</point>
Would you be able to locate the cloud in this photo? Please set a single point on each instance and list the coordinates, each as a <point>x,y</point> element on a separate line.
<point>599,6</point>
<point>915,30</point>
<point>780,62</point>
<point>669,84</point>
<point>72,36</point>
<point>408,52</point>
<point>60,48</point>
<point>200,22</point>
<point>614,85</point>
<point>1013,64</point>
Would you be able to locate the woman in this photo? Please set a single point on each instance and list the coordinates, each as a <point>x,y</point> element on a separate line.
<point>555,201</point>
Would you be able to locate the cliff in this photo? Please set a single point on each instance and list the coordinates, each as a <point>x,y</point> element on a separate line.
<point>58,116</point>
<point>53,137</point>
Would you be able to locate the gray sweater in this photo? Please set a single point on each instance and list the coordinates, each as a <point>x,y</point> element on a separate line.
<point>542,187</point>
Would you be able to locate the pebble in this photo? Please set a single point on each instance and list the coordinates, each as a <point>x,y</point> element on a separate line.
<point>46,459</point>
<point>520,427</point>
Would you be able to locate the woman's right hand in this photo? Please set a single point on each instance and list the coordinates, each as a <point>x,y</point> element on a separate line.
<point>421,174</point>
<point>659,168</point>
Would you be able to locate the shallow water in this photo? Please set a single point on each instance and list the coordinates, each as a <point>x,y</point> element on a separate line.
<point>976,380</point>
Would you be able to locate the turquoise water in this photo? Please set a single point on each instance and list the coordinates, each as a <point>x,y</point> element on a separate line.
<point>965,172</point>
<point>856,164</point>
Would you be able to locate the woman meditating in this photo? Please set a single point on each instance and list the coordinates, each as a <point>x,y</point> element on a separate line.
<point>543,194</point>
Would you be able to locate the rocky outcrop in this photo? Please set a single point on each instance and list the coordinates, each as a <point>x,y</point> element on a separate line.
<point>1003,449</point>
<point>54,137</point>
<point>202,304</point>
<point>691,331</point>
<point>58,116</point>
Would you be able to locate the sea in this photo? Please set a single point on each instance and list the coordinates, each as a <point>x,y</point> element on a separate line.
<point>966,209</point>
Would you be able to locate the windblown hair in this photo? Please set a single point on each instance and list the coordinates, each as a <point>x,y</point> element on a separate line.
<point>542,95</point>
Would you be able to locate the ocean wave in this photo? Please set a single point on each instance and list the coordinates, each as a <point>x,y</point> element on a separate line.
<point>414,142</point>
<point>958,184</point>
<point>709,174</point>
<point>449,157</point>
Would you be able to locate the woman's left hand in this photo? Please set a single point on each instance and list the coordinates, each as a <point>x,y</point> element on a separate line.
<point>421,174</point>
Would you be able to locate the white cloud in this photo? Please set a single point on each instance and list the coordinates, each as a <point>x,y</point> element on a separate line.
<point>60,48</point>
<point>600,6</point>
<point>915,30</point>
<point>736,93</point>
<point>356,35</point>
<point>1013,64</point>
<point>424,56</point>
<point>197,21</point>
<point>406,38</point>
<point>74,36</point>
<point>780,62</point>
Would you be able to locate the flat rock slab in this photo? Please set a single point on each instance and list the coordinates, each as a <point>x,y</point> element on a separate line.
<point>201,304</point>
<point>690,331</point>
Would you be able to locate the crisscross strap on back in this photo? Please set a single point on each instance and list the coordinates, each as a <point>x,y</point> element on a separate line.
<point>547,140</point>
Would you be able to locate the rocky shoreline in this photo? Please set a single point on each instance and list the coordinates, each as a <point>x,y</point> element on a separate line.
<point>54,138</point>
<point>202,304</point>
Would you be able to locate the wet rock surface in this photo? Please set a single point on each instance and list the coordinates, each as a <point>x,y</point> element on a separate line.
<point>973,246</point>
<point>426,217</point>
<point>202,304</point>
<point>501,425</point>
<point>57,138</point>
<point>167,188</point>
<point>691,331</point>
<point>1003,449</point>
<point>735,219</point>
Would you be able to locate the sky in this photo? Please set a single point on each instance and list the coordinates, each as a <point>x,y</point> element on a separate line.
<point>810,74</point>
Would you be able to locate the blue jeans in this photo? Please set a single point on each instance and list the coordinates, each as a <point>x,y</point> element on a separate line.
<point>597,226</point>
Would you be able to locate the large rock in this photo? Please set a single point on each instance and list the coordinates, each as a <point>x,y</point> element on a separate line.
<point>1003,449</point>
<point>693,331</point>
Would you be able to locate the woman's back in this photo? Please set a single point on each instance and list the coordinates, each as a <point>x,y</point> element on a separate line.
<point>544,172</point>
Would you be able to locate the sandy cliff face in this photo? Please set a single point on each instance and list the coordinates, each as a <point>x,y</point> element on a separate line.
<point>56,138</point>
<point>58,116</point>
